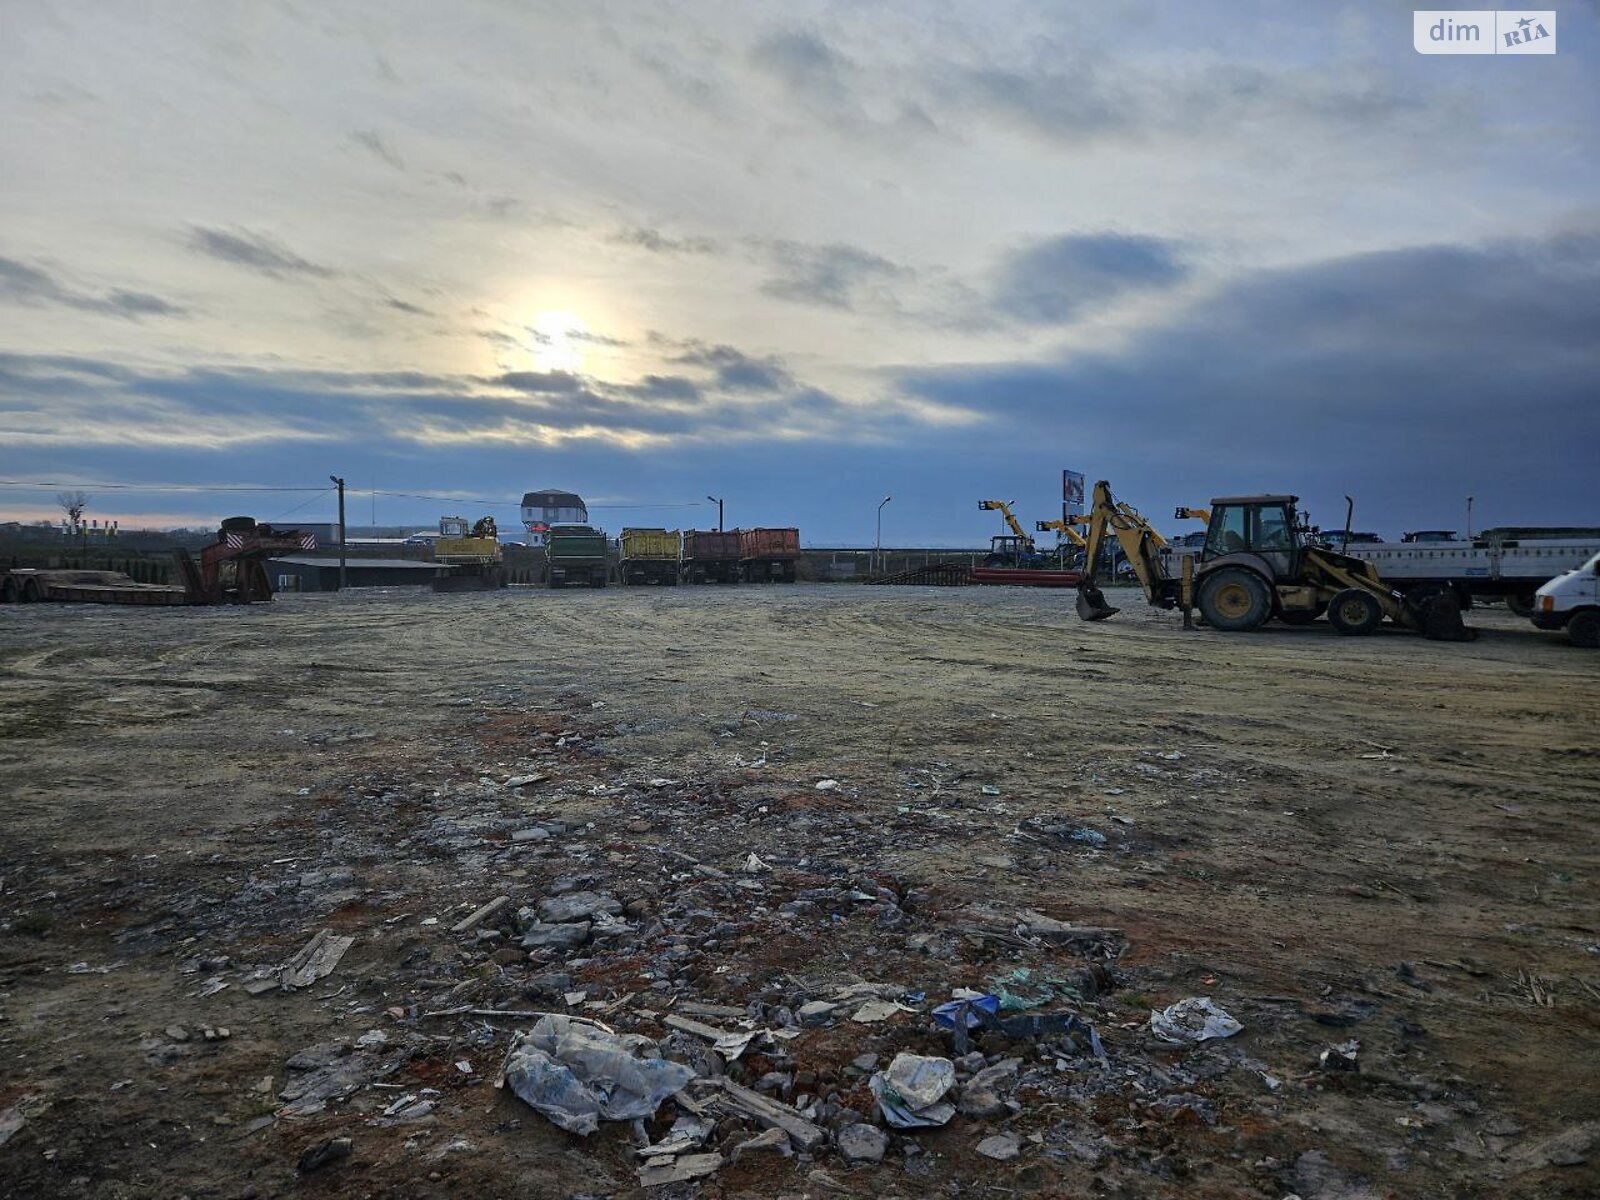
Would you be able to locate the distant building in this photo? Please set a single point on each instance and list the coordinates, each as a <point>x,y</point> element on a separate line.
<point>540,510</point>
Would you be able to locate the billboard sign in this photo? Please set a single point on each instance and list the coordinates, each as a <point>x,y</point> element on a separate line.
<point>1071,495</point>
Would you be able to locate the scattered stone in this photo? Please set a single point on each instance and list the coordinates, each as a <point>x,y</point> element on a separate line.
<point>539,935</point>
<point>320,1155</point>
<point>577,906</point>
<point>862,1142</point>
<point>1002,1147</point>
<point>981,1096</point>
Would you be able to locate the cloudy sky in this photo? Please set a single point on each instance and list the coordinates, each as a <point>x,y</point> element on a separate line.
<point>800,256</point>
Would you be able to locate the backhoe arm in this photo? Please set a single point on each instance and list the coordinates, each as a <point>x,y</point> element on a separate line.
<point>1140,543</point>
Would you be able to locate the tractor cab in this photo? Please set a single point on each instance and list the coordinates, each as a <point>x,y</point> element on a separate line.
<point>1266,526</point>
<point>1008,550</point>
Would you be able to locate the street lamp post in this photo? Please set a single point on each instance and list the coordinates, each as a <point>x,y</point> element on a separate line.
<point>718,503</point>
<point>877,548</point>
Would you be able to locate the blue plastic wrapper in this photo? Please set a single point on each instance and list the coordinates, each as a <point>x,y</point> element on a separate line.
<point>947,1014</point>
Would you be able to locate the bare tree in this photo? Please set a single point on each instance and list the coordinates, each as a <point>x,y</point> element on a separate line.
<point>73,503</point>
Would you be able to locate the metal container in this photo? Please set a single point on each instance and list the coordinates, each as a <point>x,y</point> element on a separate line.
<point>711,545</point>
<point>652,544</point>
<point>769,545</point>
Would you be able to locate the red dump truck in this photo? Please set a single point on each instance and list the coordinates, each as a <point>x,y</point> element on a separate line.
<point>710,556</point>
<point>769,555</point>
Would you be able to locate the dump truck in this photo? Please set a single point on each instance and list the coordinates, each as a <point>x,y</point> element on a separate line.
<point>769,555</point>
<point>472,558</point>
<point>575,556</point>
<point>649,556</point>
<point>710,556</point>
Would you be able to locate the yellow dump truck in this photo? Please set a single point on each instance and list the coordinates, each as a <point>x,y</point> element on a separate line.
<point>649,556</point>
<point>472,558</point>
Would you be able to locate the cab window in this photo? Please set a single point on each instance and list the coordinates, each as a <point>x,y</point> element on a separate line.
<point>1227,533</point>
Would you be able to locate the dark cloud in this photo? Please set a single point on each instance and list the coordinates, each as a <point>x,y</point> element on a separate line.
<point>1400,376</point>
<point>253,250</point>
<point>1050,282</point>
<point>667,387</point>
<point>657,242</point>
<point>549,383</point>
<point>22,283</point>
<point>832,276</point>
<point>402,306</point>
<point>736,371</point>
<point>375,143</point>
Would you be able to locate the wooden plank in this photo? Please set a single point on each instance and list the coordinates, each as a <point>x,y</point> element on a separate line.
<point>479,915</point>
<point>769,1113</point>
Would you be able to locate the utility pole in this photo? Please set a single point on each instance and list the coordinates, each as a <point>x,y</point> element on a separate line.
<point>718,503</point>
<point>877,548</point>
<point>339,483</point>
<point>1469,518</point>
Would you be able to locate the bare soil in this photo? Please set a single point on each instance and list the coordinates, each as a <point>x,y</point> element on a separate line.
<point>1385,839</point>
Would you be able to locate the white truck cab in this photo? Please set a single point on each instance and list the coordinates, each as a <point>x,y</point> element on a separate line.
<point>1572,602</point>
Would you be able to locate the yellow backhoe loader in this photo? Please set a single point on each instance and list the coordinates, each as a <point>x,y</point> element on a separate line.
<point>1015,549</point>
<point>1258,563</point>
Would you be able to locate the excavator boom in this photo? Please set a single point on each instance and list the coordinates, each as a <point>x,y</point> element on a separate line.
<point>1140,544</point>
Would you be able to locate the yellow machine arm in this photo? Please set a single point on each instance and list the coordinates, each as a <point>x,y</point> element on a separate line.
<point>1140,543</point>
<point>1065,529</point>
<point>1004,510</point>
<point>1197,514</point>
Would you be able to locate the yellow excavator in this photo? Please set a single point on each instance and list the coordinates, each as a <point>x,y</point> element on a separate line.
<point>1258,563</point>
<point>1015,549</point>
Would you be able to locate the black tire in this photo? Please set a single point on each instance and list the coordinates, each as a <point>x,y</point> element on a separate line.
<point>238,524</point>
<point>1235,599</point>
<point>1354,612</point>
<point>8,592</point>
<point>1520,604</point>
<point>1584,629</point>
<point>994,560</point>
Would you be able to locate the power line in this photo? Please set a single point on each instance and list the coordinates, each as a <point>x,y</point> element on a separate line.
<point>148,487</point>
<point>298,507</point>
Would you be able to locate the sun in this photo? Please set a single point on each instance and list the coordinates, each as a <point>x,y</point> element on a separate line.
<point>558,341</point>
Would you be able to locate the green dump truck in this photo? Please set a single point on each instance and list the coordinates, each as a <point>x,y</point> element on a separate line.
<point>575,556</point>
<point>649,556</point>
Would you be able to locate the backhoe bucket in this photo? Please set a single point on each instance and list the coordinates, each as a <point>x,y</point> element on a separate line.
<point>1092,604</point>
<point>1441,621</point>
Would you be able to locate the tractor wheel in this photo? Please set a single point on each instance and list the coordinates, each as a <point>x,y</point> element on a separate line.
<point>1584,629</point>
<point>1235,599</point>
<point>8,592</point>
<point>1520,604</point>
<point>1353,612</point>
<point>238,524</point>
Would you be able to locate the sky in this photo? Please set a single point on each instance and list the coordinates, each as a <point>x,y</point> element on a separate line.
<point>798,256</point>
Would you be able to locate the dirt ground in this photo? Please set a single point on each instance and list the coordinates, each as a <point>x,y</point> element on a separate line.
<point>1384,840</point>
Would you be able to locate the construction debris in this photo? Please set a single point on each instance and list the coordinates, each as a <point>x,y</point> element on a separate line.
<point>317,959</point>
<point>1196,1019</point>
<point>578,1073</point>
<point>911,1091</point>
